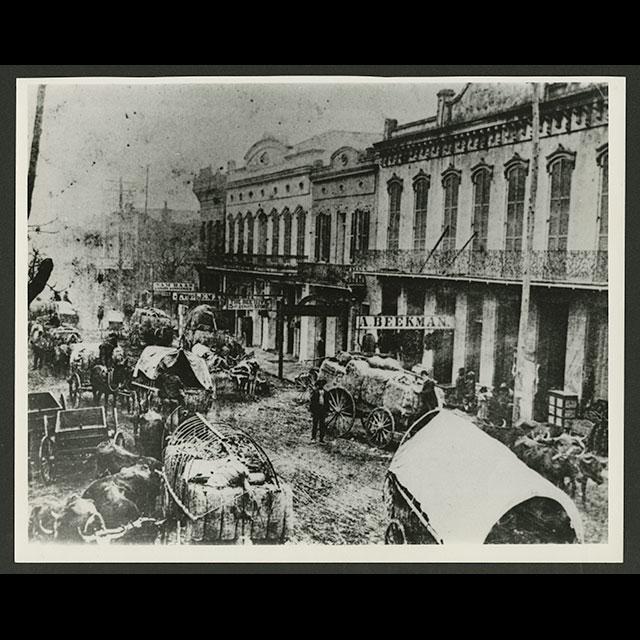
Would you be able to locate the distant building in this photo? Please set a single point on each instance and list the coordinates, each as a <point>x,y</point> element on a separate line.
<point>274,237</point>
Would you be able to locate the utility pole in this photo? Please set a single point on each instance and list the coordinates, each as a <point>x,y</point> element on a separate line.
<point>523,357</point>
<point>35,146</point>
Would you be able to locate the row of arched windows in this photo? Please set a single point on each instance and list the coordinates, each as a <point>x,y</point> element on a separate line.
<point>248,233</point>
<point>560,166</point>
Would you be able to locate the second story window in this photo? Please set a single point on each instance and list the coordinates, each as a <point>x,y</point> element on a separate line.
<point>275,233</point>
<point>451,186</point>
<point>481,195</point>
<point>262,233</point>
<point>394,190</point>
<point>286,249</point>
<point>302,224</point>
<point>359,232</point>
<point>516,175</point>
<point>323,237</point>
<point>560,167</point>
<point>420,197</point>
<point>240,234</point>
<point>232,235</point>
<point>603,204</point>
<point>250,228</point>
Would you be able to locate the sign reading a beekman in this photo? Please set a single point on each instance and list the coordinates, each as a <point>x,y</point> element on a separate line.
<point>429,323</point>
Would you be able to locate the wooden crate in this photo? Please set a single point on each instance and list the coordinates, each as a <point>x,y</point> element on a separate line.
<point>563,408</point>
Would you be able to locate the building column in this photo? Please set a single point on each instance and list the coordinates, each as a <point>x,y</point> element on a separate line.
<point>402,301</point>
<point>330,345</point>
<point>306,350</point>
<point>460,333</point>
<point>488,344</point>
<point>576,347</point>
<point>529,373</point>
<point>374,292</point>
<point>429,310</point>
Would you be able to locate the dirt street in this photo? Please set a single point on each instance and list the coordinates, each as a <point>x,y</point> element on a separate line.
<point>337,485</point>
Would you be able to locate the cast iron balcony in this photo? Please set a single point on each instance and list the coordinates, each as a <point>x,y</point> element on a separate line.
<point>560,267</point>
<point>251,261</point>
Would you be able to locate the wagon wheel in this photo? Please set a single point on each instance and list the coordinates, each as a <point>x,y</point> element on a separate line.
<point>380,426</point>
<point>46,458</point>
<point>119,440</point>
<point>341,411</point>
<point>395,533</point>
<point>75,390</point>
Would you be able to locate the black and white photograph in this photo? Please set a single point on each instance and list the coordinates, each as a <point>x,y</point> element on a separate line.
<point>319,319</point>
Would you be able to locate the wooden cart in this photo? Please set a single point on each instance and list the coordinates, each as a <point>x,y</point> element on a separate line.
<point>74,432</point>
<point>386,400</point>
<point>84,356</point>
<point>41,405</point>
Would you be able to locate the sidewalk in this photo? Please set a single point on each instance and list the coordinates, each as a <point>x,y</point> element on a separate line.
<point>268,361</point>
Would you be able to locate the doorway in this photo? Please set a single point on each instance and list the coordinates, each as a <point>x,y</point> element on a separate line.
<point>553,322</point>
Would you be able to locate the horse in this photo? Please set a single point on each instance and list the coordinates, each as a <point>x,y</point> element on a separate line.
<point>109,382</point>
<point>40,345</point>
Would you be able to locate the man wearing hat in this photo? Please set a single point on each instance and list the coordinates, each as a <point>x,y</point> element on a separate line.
<point>318,409</point>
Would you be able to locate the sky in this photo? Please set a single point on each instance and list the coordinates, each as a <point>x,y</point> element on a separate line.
<point>93,134</point>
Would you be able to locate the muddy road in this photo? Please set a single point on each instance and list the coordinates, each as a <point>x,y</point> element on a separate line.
<point>337,486</point>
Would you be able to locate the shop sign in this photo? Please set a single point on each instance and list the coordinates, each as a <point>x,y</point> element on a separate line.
<point>396,323</point>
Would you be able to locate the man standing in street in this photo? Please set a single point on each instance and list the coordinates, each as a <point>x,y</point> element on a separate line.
<point>318,409</point>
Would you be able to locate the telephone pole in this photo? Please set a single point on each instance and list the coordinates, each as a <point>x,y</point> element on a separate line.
<point>523,357</point>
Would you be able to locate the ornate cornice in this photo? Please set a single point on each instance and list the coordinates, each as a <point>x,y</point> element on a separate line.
<point>601,152</point>
<point>571,113</point>
<point>421,176</point>
<point>482,166</point>
<point>451,171</point>
<point>561,153</point>
<point>516,161</point>
<point>394,180</point>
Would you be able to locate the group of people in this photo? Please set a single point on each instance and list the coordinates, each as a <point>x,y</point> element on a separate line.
<point>492,405</point>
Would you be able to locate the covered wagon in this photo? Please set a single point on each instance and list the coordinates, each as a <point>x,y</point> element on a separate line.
<point>449,483</point>
<point>151,326</point>
<point>154,366</point>
<point>221,488</point>
<point>82,358</point>
<point>386,397</point>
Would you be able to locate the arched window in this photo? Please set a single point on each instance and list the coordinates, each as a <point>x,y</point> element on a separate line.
<point>275,233</point>
<point>232,235</point>
<point>560,166</point>
<point>240,233</point>
<point>603,205</point>
<point>394,189</point>
<point>516,175</point>
<point>302,229</point>
<point>286,249</point>
<point>359,232</point>
<point>481,179</point>
<point>250,226</point>
<point>420,197</point>
<point>262,233</point>
<point>451,185</point>
<point>323,237</point>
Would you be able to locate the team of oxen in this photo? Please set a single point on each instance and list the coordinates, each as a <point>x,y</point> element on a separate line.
<point>122,503</point>
<point>563,459</point>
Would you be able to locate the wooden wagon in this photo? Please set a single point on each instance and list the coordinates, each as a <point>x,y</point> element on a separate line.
<point>378,391</point>
<point>451,483</point>
<point>41,404</point>
<point>84,356</point>
<point>198,386</point>
<point>221,488</point>
<point>75,432</point>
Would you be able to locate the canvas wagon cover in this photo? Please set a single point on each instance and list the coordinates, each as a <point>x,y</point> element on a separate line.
<point>204,315</point>
<point>84,354</point>
<point>465,480</point>
<point>188,366</point>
